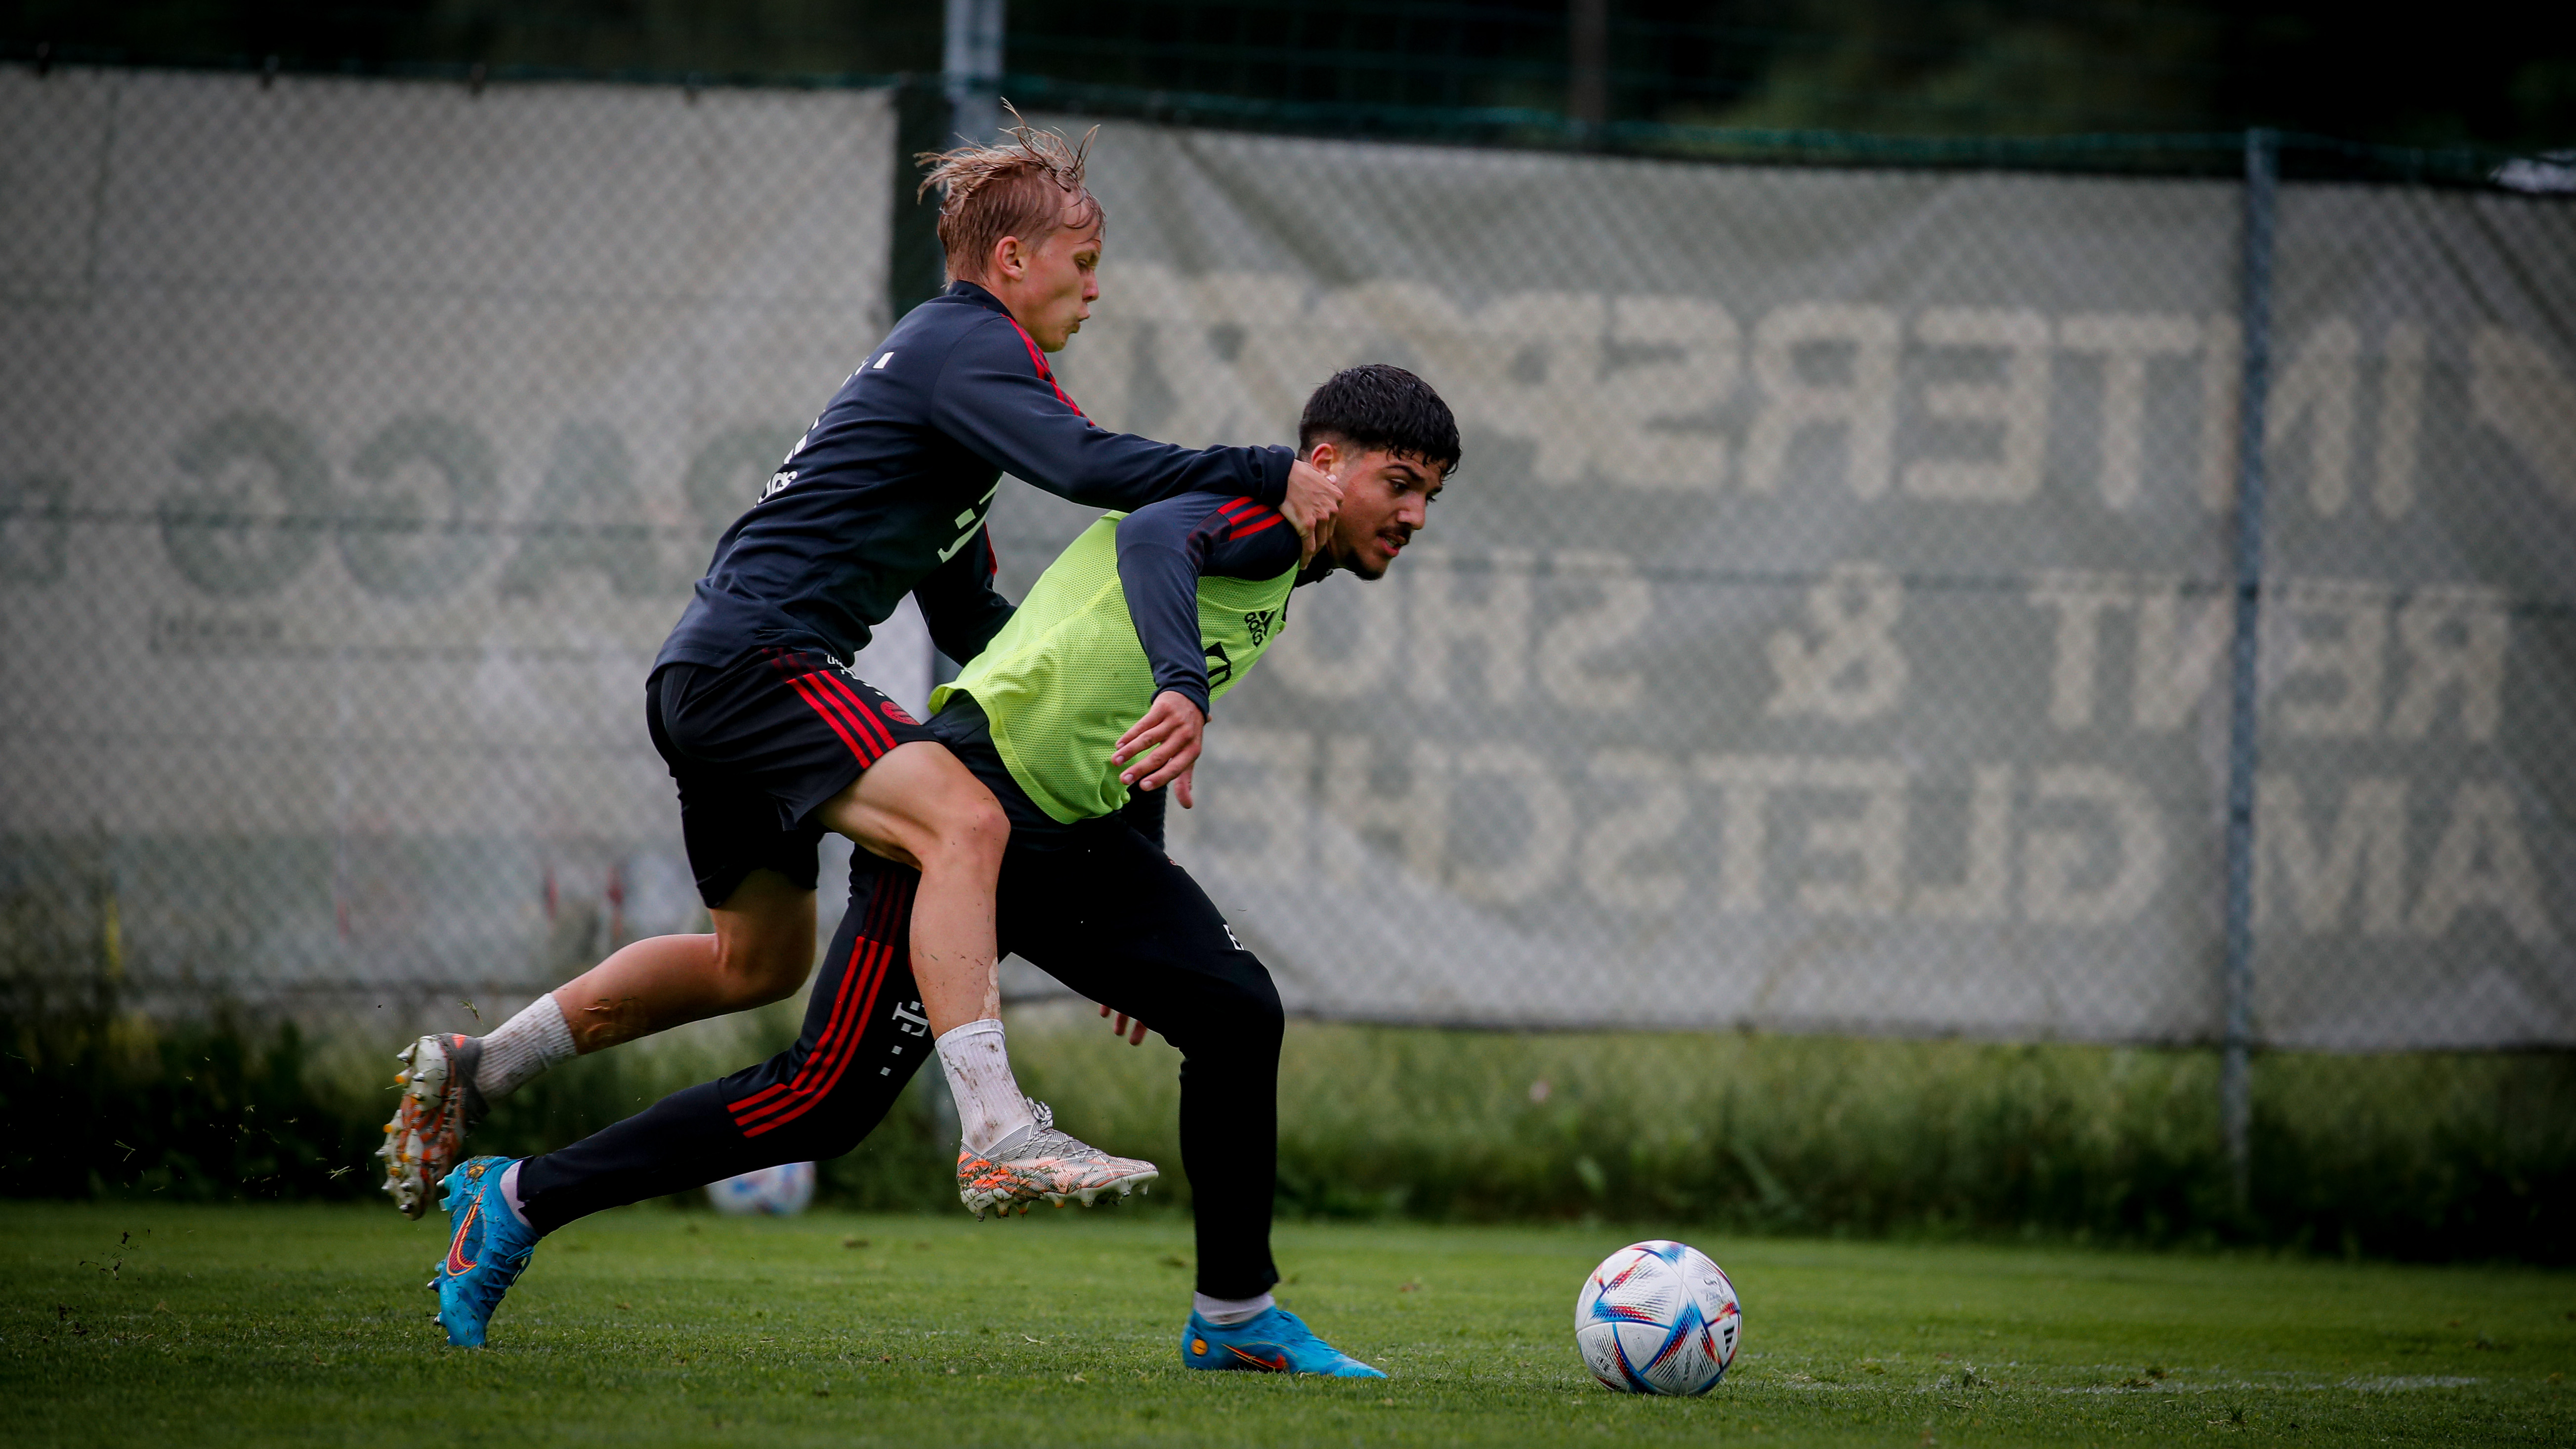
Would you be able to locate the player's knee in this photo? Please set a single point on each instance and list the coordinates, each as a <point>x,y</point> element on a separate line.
<point>847,1114</point>
<point>1243,1016</point>
<point>970,833</point>
<point>759,971</point>
<point>827,1140</point>
<point>1264,1018</point>
<point>983,826</point>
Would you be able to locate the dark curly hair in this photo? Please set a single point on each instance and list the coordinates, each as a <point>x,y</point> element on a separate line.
<point>1378,407</point>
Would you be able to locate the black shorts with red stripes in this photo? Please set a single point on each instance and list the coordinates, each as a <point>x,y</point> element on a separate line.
<point>758,745</point>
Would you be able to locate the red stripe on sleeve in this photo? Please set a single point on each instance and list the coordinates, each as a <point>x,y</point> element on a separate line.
<point>1046,374</point>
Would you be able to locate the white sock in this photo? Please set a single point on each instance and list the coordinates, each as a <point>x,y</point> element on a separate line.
<point>522,1047</point>
<point>1227,1312</point>
<point>990,1108</point>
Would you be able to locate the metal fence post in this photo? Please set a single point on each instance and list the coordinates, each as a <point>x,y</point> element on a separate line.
<point>962,103</point>
<point>971,67</point>
<point>916,264</point>
<point>2235,1088</point>
<point>1587,90</point>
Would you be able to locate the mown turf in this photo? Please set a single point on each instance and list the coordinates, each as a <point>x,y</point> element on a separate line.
<point>265,1325</point>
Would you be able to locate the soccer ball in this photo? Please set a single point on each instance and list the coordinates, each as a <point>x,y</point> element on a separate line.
<point>1657,1318</point>
<point>781,1191</point>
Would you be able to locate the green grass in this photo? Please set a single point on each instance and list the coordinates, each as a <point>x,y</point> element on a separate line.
<point>121,1323</point>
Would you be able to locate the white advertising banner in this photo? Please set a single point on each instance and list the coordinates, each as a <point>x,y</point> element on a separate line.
<point>1828,628</point>
<point>362,442</point>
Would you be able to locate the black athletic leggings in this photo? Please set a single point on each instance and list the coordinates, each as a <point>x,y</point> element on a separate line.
<point>1107,914</point>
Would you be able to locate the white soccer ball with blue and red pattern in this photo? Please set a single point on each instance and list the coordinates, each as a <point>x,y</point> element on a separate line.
<point>1657,1318</point>
<point>778,1192</point>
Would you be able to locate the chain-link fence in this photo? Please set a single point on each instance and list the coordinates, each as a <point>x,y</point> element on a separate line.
<point>1830,628</point>
<point>364,440</point>
<point>1833,628</point>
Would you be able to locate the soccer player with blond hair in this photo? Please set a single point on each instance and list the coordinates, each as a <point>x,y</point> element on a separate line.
<point>772,738</point>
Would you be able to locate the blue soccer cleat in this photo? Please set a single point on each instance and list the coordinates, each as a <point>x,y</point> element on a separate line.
<point>489,1252</point>
<point>1272,1341</point>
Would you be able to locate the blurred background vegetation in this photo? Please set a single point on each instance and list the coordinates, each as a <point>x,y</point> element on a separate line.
<point>2424,1156</point>
<point>2484,73</point>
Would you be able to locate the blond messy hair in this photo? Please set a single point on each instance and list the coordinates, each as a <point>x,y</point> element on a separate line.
<point>1029,186</point>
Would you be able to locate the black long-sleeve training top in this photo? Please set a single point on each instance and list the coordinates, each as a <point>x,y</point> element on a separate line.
<point>887,493</point>
<point>1163,552</point>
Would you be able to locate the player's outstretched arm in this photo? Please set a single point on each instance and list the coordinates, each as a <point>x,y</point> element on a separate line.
<point>995,395</point>
<point>1163,551</point>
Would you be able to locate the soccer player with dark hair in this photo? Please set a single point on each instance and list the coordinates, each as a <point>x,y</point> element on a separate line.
<point>1173,605</point>
<point>771,737</point>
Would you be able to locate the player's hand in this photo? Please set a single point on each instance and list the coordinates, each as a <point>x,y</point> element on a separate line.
<point>1166,741</point>
<point>1181,787</point>
<point>1314,497</point>
<point>1135,1032</point>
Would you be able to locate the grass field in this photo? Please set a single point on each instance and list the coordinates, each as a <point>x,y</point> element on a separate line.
<point>306,1324</point>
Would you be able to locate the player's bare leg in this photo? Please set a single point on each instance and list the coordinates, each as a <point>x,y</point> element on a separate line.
<point>919,807</point>
<point>761,950</point>
<point>916,806</point>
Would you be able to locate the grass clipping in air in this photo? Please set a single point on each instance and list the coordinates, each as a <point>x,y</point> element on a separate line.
<point>268,1324</point>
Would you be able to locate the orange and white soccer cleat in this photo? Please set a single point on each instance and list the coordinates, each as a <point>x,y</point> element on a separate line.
<point>1045,1164</point>
<point>426,1138</point>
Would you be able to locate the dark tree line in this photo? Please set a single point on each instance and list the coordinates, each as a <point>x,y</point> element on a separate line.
<point>2491,74</point>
